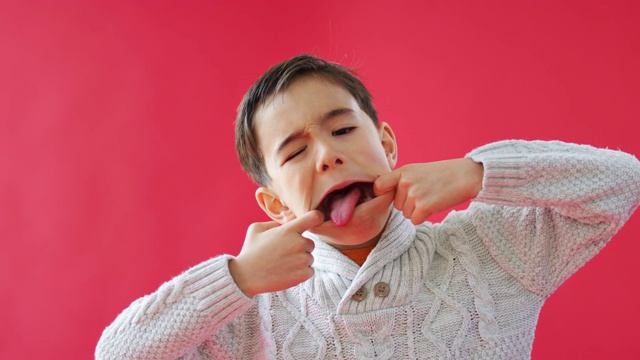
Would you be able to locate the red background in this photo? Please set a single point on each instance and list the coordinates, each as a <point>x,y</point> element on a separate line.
<point>117,165</point>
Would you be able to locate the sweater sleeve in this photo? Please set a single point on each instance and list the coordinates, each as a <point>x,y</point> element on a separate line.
<point>179,316</point>
<point>546,208</point>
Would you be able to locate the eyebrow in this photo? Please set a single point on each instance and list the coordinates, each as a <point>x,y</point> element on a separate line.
<point>329,115</point>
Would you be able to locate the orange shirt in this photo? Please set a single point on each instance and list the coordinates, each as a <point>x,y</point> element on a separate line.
<point>358,256</point>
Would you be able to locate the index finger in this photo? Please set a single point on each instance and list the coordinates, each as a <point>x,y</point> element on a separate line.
<point>305,222</point>
<point>386,182</point>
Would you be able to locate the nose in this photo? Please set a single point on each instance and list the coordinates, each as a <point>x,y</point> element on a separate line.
<point>327,157</point>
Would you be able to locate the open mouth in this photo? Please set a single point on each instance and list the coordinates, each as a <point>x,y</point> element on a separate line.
<point>340,204</point>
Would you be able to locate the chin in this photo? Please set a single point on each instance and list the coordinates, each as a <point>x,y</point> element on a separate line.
<point>368,221</point>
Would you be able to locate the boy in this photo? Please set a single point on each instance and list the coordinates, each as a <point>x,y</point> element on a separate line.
<point>349,269</point>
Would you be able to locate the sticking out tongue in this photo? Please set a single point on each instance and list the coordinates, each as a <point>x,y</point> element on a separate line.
<point>343,206</point>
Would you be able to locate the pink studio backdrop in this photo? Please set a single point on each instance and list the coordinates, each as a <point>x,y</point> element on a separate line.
<point>117,165</point>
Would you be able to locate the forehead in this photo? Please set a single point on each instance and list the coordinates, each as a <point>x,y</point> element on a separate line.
<point>302,104</point>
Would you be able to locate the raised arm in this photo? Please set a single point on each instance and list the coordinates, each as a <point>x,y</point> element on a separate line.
<point>546,208</point>
<point>181,314</point>
<point>188,310</point>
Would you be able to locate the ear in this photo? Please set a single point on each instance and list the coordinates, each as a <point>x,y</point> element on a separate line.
<point>271,204</point>
<point>388,140</point>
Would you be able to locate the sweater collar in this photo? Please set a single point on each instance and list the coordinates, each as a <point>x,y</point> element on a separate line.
<point>396,238</point>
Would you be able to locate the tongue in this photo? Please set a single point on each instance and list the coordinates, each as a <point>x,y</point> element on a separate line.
<point>342,207</point>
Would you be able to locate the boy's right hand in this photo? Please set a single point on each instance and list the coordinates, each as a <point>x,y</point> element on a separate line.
<point>275,257</point>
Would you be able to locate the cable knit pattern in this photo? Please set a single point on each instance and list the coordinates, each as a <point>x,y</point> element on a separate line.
<point>470,287</point>
<point>482,296</point>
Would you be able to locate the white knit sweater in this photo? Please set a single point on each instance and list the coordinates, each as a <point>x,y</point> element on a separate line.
<point>470,287</point>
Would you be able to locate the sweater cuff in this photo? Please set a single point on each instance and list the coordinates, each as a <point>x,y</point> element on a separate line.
<point>212,284</point>
<point>503,177</point>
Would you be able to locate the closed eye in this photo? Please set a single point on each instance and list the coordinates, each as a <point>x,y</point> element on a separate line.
<point>296,153</point>
<point>343,131</point>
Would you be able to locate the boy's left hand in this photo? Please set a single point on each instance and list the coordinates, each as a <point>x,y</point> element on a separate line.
<point>429,188</point>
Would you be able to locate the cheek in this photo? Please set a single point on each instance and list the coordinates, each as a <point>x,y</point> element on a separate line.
<point>294,192</point>
<point>376,155</point>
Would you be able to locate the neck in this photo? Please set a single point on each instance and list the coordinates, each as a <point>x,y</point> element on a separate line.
<point>370,243</point>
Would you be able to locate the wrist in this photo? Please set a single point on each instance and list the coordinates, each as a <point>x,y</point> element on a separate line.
<point>475,176</point>
<point>238,273</point>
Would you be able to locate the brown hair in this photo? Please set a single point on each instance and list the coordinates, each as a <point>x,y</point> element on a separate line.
<point>277,79</point>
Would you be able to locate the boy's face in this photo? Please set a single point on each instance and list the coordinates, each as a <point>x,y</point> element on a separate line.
<point>323,152</point>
